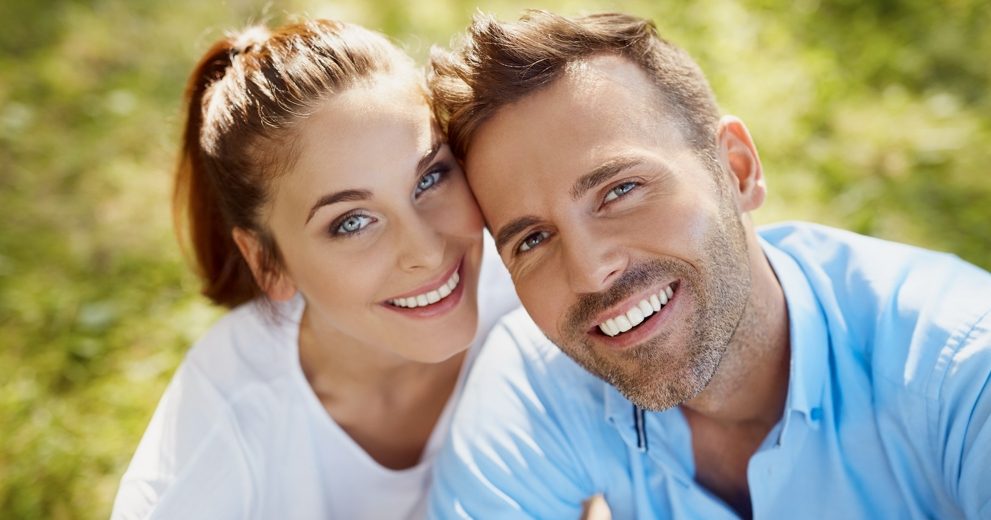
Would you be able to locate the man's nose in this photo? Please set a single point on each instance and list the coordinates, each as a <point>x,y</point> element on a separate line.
<point>592,262</point>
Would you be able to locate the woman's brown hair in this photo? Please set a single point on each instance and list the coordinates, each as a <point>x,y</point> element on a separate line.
<point>242,98</point>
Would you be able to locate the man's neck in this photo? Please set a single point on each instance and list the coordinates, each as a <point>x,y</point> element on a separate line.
<point>750,386</point>
<point>730,419</point>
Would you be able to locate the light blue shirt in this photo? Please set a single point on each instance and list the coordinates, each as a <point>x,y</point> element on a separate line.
<point>888,412</point>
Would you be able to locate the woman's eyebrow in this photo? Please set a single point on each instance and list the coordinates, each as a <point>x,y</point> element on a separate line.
<point>353,195</point>
<point>339,196</point>
<point>429,156</point>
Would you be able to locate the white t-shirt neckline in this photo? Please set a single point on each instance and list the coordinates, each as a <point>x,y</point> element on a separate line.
<point>294,312</point>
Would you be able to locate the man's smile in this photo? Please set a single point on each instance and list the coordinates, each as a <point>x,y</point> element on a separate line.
<point>629,323</point>
<point>636,313</point>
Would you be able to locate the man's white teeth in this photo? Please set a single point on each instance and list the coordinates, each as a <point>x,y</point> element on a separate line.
<point>623,324</point>
<point>430,297</point>
<point>637,313</point>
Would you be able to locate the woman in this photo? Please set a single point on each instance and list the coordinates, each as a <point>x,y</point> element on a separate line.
<point>323,208</point>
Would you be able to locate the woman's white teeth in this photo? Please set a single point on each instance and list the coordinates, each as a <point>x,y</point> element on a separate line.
<point>637,313</point>
<point>430,297</point>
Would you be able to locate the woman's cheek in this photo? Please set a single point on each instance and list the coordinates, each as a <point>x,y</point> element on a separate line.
<point>460,215</point>
<point>471,213</point>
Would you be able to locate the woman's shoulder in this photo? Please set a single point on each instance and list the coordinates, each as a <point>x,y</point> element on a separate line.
<point>210,421</point>
<point>254,343</point>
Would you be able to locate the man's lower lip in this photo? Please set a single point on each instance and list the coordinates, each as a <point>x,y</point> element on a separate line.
<point>436,309</point>
<point>641,332</point>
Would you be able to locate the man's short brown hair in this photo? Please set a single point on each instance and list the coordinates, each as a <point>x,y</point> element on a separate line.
<point>503,62</point>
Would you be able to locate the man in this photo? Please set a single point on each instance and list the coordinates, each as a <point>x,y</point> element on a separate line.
<point>797,372</point>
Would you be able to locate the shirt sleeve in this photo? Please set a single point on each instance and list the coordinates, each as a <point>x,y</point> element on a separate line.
<point>190,462</point>
<point>509,454</point>
<point>964,421</point>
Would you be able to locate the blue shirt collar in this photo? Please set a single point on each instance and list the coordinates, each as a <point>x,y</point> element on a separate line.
<point>809,337</point>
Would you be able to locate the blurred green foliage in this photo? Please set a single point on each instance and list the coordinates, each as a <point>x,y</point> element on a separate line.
<point>870,115</point>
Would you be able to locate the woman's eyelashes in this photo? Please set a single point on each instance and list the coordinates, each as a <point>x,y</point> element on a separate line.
<point>433,178</point>
<point>351,225</point>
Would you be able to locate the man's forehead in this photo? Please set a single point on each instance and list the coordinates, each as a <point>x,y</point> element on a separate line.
<point>600,97</point>
<point>608,84</point>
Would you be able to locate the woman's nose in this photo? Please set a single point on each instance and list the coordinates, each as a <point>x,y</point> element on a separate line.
<point>422,246</point>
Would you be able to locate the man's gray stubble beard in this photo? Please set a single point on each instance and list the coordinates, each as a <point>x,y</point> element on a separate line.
<point>658,381</point>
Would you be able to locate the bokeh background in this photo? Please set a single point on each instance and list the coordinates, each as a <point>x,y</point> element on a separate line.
<point>873,115</point>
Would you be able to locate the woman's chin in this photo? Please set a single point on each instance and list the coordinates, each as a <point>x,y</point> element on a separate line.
<point>442,346</point>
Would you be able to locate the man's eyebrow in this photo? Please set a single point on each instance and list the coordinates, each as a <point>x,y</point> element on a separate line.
<point>339,196</point>
<point>513,228</point>
<point>601,174</point>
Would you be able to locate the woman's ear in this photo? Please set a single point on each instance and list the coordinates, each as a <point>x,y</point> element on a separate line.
<point>275,284</point>
<point>738,156</point>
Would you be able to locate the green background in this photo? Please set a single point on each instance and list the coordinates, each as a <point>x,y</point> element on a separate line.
<point>870,115</point>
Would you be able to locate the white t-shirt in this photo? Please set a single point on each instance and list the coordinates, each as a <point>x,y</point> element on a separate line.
<point>239,432</point>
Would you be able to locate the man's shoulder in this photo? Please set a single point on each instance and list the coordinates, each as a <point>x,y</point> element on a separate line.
<point>518,351</point>
<point>900,309</point>
<point>830,247</point>
<point>874,275</point>
<point>520,372</point>
<point>529,437</point>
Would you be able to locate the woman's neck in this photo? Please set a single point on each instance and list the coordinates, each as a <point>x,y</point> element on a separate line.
<point>373,393</point>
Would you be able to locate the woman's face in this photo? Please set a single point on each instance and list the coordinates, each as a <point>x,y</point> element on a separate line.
<point>377,227</point>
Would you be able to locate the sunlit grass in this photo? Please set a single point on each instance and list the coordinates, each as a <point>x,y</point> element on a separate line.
<point>871,116</point>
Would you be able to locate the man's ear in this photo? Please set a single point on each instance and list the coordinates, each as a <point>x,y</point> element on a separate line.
<point>275,284</point>
<point>738,156</point>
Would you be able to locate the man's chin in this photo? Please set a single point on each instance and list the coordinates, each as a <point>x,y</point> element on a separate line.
<point>651,383</point>
<point>657,398</point>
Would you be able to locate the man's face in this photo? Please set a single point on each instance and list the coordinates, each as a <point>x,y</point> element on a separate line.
<point>625,247</point>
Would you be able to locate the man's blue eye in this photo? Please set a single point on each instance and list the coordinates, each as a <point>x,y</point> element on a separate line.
<point>619,191</point>
<point>429,180</point>
<point>353,224</point>
<point>533,240</point>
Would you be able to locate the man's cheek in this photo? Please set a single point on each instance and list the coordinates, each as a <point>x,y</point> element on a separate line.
<point>539,306</point>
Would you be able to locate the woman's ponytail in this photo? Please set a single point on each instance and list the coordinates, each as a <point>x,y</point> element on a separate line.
<point>204,231</point>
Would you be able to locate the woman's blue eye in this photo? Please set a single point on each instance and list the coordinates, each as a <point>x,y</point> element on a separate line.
<point>533,240</point>
<point>619,191</point>
<point>429,180</point>
<point>353,224</point>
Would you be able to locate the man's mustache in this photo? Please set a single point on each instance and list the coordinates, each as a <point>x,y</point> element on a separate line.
<point>637,277</point>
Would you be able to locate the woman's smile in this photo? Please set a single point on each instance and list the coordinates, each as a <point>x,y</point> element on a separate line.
<point>432,299</point>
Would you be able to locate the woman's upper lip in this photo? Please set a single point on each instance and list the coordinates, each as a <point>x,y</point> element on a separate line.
<point>433,284</point>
